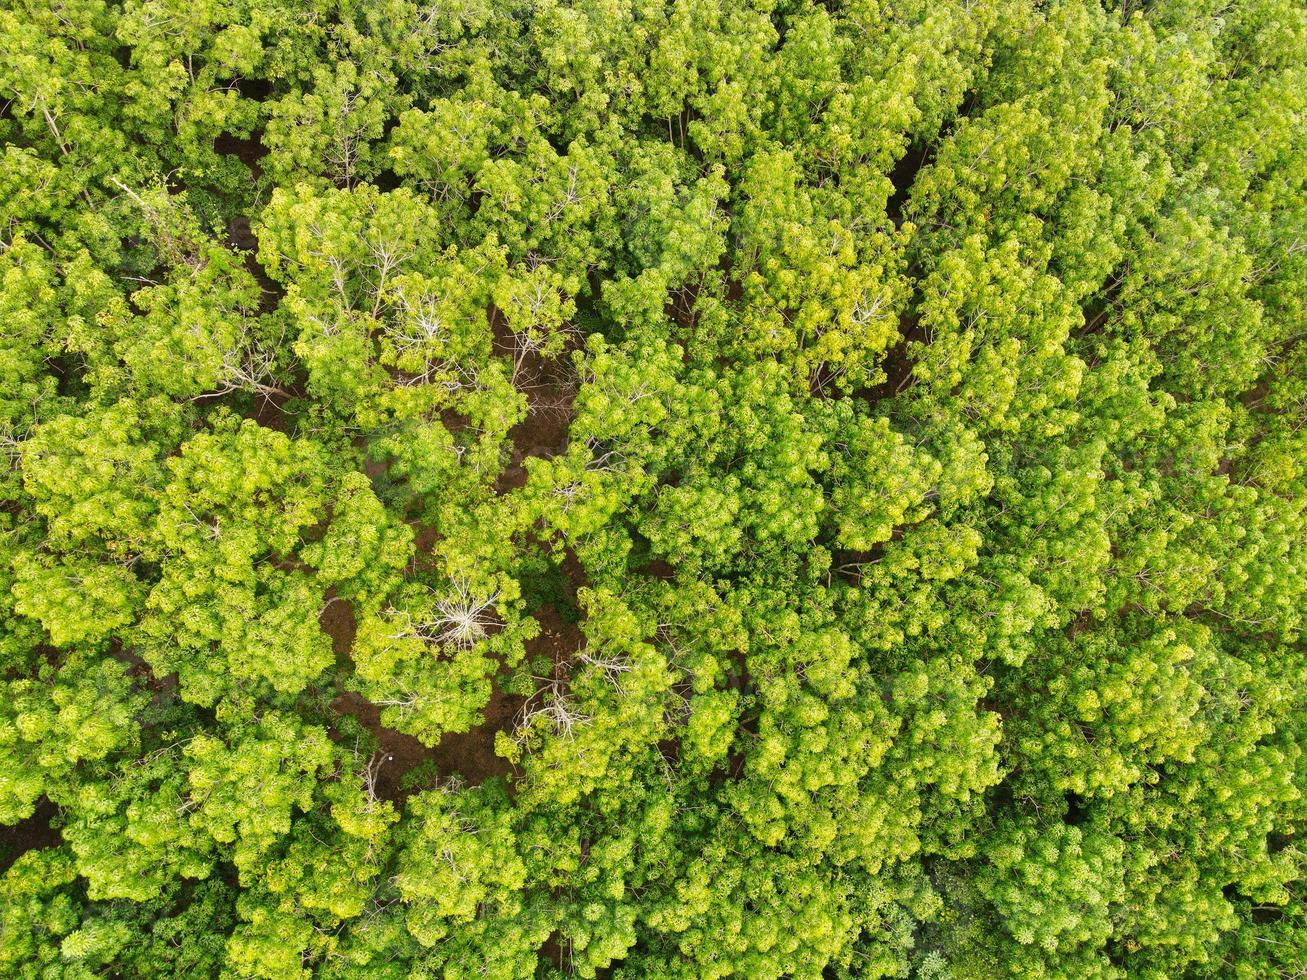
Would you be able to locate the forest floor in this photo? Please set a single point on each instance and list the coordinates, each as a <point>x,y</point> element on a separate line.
<point>470,756</point>
<point>29,835</point>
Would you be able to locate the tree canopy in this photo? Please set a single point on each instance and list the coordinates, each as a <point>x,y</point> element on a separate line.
<point>696,489</point>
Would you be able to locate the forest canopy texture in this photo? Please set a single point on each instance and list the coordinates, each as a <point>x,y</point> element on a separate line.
<point>616,488</point>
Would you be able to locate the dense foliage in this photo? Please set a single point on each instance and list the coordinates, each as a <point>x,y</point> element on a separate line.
<point>712,488</point>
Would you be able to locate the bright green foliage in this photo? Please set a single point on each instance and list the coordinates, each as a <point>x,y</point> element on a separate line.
<point>77,601</point>
<point>230,519</point>
<point>244,792</point>
<point>427,658</point>
<point>1110,707</point>
<point>365,550</point>
<point>720,488</point>
<point>97,477</point>
<point>880,484</point>
<point>129,828</point>
<point>83,710</point>
<point>1053,889</point>
<point>458,868</point>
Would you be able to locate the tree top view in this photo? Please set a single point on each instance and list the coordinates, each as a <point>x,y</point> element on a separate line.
<point>611,488</point>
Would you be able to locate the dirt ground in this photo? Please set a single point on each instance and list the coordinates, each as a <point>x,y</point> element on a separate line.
<point>550,388</point>
<point>470,756</point>
<point>29,835</point>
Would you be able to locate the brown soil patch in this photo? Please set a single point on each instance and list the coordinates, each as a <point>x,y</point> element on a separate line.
<point>269,409</point>
<point>162,689</point>
<point>558,639</point>
<point>552,950</point>
<point>897,364</point>
<point>903,176</point>
<point>337,620</point>
<point>550,387</point>
<point>269,412</point>
<point>249,150</point>
<point>424,538</point>
<point>680,306</point>
<point>400,752</point>
<point>574,572</point>
<point>469,756</point>
<point>31,834</point>
<point>372,468</point>
<point>240,236</point>
<point>659,568</point>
